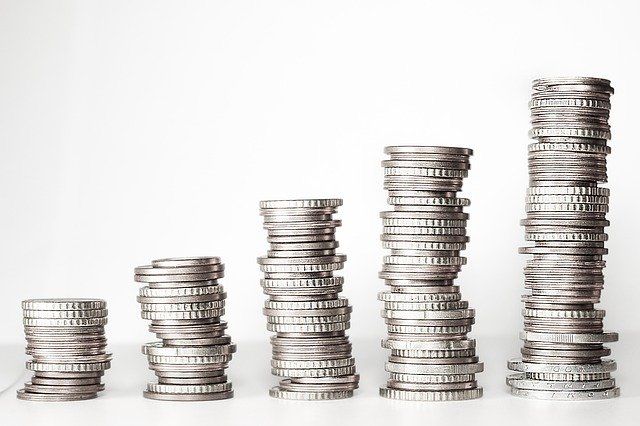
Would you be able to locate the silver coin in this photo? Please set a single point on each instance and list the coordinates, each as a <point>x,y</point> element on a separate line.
<point>30,396</point>
<point>277,392</point>
<point>566,395</point>
<point>408,395</point>
<point>188,397</point>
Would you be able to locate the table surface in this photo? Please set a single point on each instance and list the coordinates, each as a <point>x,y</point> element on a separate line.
<point>122,402</point>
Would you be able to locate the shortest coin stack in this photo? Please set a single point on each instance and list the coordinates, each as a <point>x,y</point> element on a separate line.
<point>67,345</point>
<point>185,303</point>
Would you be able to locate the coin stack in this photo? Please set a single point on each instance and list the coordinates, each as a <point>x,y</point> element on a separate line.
<point>67,344</point>
<point>311,350</point>
<point>563,331</point>
<point>185,303</point>
<point>427,321</point>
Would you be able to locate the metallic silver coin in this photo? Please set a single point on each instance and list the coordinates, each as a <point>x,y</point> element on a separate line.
<point>289,385</point>
<point>519,381</point>
<point>76,367</point>
<point>431,378</point>
<point>168,280</point>
<point>572,395</point>
<point>431,387</point>
<point>30,396</point>
<point>178,270</point>
<point>428,315</point>
<point>177,262</point>
<point>192,380</point>
<point>65,382</point>
<point>157,348</point>
<point>394,367</point>
<point>301,204</point>
<point>431,396</point>
<point>63,389</point>
<point>68,375</point>
<point>605,337</point>
<point>605,366</point>
<point>352,378</point>
<point>63,304</point>
<point>277,392</point>
<point>188,389</point>
<point>188,397</point>
<point>314,372</point>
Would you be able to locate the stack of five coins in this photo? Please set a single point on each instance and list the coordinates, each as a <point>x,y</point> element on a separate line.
<point>311,350</point>
<point>67,344</point>
<point>185,303</point>
<point>563,331</point>
<point>427,322</point>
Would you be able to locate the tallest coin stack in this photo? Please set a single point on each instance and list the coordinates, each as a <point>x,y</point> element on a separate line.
<point>563,331</point>
<point>427,322</point>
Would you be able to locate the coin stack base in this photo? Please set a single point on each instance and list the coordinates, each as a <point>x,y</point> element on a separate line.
<point>185,303</point>
<point>310,349</point>
<point>563,351</point>
<point>427,321</point>
<point>67,345</point>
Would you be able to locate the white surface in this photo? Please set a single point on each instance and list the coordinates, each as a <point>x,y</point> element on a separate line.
<point>122,402</point>
<point>136,130</point>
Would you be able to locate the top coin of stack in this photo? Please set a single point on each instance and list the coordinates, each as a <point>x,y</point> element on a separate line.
<point>310,349</point>
<point>427,322</point>
<point>566,216</point>
<point>67,344</point>
<point>185,303</point>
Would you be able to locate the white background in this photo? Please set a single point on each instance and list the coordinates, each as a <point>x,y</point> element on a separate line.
<point>132,130</point>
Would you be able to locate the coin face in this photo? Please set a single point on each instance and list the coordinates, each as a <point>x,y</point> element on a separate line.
<point>562,353</point>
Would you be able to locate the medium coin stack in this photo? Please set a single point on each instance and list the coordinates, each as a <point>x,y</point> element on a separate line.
<point>563,331</point>
<point>311,350</point>
<point>185,303</point>
<point>67,345</point>
<point>427,321</point>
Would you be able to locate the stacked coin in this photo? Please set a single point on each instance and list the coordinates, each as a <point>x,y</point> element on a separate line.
<point>563,331</point>
<point>185,303</point>
<point>67,345</point>
<point>427,321</point>
<point>311,350</point>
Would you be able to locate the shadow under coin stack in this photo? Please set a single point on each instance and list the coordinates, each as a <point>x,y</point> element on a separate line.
<point>185,303</point>
<point>311,350</point>
<point>67,344</point>
<point>563,331</point>
<point>427,322</point>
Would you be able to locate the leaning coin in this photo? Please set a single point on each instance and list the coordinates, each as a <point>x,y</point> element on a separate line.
<point>29,396</point>
<point>62,389</point>
<point>156,270</point>
<point>604,367</point>
<point>604,337</point>
<point>277,392</point>
<point>520,381</point>
<point>176,262</point>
